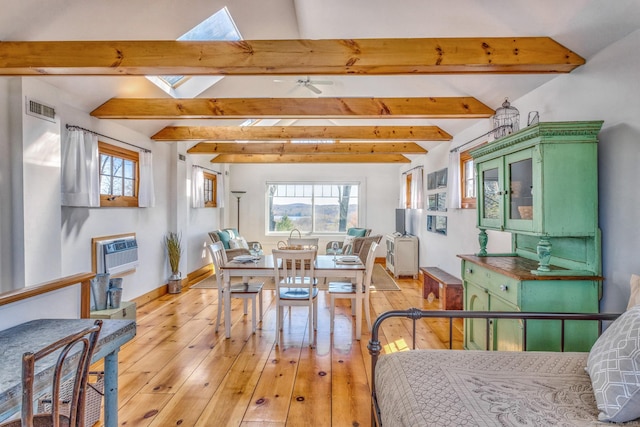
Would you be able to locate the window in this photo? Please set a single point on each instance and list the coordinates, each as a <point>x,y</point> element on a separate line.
<point>312,207</point>
<point>210,190</point>
<point>118,176</point>
<point>467,181</point>
<point>219,26</point>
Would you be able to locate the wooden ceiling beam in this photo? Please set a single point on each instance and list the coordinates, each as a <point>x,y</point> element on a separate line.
<point>480,55</point>
<point>306,148</point>
<point>310,158</point>
<point>263,133</point>
<point>246,108</point>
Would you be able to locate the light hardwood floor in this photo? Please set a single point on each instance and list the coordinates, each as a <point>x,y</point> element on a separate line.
<point>178,372</point>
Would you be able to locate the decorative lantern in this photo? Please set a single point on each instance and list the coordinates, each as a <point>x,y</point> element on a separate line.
<point>506,120</point>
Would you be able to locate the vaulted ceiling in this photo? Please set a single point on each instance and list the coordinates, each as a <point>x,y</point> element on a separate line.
<point>402,77</point>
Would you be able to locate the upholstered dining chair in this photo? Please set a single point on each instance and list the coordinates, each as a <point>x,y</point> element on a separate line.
<point>295,286</point>
<point>68,357</point>
<point>345,246</point>
<point>349,290</point>
<point>245,291</point>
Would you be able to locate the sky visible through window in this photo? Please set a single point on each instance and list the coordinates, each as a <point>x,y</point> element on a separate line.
<point>218,26</point>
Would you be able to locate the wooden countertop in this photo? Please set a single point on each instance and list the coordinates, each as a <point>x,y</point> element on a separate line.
<point>520,268</point>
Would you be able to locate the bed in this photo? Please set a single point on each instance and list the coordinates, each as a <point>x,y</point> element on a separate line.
<point>487,388</point>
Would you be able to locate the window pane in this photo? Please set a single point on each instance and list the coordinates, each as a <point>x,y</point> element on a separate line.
<point>129,189</point>
<point>129,169</point>
<point>117,166</point>
<point>117,186</point>
<point>105,164</point>
<point>105,184</point>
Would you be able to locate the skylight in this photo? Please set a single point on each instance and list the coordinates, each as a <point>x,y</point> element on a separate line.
<point>219,26</point>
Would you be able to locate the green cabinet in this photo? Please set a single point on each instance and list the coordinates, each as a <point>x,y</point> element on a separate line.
<point>507,284</point>
<point>541,185</point>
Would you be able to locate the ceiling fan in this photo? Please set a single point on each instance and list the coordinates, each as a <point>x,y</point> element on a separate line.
<point>308,83</point>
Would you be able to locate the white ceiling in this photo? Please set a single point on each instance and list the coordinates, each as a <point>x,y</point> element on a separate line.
<point>584,26</point>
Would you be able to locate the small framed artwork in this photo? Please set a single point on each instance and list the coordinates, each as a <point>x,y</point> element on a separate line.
<point>431,223</point>
<point>441,178</point>
<point>442,201</point>
<point>441,224</point>
<point>432,202</point>
<point>431,181</point>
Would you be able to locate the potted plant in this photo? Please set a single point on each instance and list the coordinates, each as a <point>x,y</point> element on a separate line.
<point>174,251</point>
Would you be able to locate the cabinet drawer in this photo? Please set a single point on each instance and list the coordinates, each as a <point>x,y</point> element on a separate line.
<point>505,287</point>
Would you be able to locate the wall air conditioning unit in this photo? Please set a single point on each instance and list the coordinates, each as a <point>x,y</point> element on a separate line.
<point>117,255</point>
<point>38,109</point>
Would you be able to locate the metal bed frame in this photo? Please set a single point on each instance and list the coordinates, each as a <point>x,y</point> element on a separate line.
<point>415,314</point>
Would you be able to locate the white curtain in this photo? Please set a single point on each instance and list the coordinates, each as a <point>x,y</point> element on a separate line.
<point>146,193</point>
<point>220,189</point>
<point>403,191</point>
<point>197,187</point>
<point>417,189</point>
<point>454,197</point>
<point>80,170</point>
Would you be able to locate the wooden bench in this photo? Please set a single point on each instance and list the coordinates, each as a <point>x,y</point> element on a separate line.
<point>444,286</point>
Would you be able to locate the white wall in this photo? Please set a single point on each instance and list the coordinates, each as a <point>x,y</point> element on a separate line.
<point>604,89</point>
<point>380,197</point>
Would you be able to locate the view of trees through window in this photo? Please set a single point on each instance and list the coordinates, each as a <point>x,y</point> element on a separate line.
<point>312,208</point>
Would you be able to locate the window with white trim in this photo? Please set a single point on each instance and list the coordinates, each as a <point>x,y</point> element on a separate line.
<point>316,208</point>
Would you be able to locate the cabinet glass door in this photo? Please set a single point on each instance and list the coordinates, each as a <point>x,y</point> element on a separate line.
<point>520,196</point>
<point>490,179</point>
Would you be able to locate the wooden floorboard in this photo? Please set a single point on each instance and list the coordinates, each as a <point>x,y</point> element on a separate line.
<point>179,371</point>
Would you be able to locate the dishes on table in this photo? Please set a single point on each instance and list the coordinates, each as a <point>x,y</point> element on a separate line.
<point>349,259</point>
<point>245,258</point>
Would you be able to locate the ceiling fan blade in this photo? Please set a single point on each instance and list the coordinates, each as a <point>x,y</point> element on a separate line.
<point>312,88</point>
<point>321,82</point>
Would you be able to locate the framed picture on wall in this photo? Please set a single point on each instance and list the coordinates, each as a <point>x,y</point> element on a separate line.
<point>431,181</point>
<point>442,201</point>
<point>441,178</point>
<point>431,223</point>
<point>432,202</point>
<point>441,224</point>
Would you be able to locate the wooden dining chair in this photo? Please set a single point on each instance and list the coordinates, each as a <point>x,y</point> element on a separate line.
<point>295,286</point>
<point>245,291</point>
<point>349,290</point>
<point>75,352</point>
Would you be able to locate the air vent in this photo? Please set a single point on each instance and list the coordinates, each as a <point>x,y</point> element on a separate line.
<point>40,110</point>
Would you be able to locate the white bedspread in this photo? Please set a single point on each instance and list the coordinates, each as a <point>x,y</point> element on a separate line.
<point>478,388</point>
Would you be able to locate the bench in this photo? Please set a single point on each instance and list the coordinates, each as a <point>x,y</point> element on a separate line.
<point>444,286</point>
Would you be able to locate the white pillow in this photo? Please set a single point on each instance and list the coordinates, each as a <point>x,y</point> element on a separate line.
<point>614,367</point>
<point>238,243</point>
<point>347,241</point>
<point>634,298</point>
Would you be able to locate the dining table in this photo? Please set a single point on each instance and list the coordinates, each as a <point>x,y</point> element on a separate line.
<point>325,267</point>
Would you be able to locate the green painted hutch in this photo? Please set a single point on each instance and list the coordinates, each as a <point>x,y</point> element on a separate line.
<point>541,185</point>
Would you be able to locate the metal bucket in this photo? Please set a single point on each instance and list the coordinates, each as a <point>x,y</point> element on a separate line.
<point>115,297</point>
<point>174,284</point>
<point>99,288</point>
